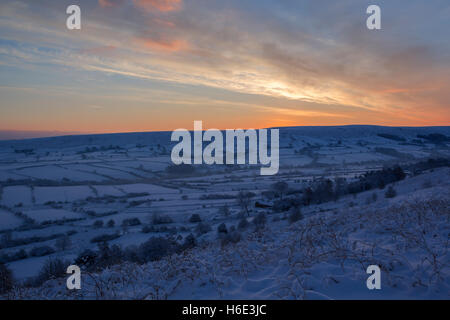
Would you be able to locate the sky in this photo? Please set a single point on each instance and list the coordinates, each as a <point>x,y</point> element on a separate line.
<point>152,65</point>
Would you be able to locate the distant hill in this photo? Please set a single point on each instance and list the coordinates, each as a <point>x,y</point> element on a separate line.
<point>287,134</point>
<point>20,135</point>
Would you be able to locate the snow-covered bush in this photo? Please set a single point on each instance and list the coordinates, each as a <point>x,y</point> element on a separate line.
<point>105,237</point>
<point>108,256</point>
<point>243,224</point>
<point>222,229</point>
<point>156,248</point>
<point>195,218</point>
<point>53,268</point>
<point>233,236</point>
<point>224,211</point>
<point>148,229</point>
<point>260,221</point>
<point>86,259</point>
<point>294,215</point>
<point>98,224</point>
<point>390,192</point>
<point>159,218</point>
<point>202,228</point>
<point>285,204</point>
<point>279,188</point>
<point>6,279</point>
<point>244,199</point>
<point>189,242</point>
<point>131,222</point>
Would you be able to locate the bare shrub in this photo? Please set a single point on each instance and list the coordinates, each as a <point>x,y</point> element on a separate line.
<point>390,192</point>
<point>294,215</point>
<point>53,268</point>
<point>243,224</point>
<point>156,248</point>
<point>244,199</point>
<point>202,228</point>
<point>6,279</point>
<point>160,218</point>
<point>260,221</point>
<point>225,211</point>
<point>195,218</point>
<point>98,224</point>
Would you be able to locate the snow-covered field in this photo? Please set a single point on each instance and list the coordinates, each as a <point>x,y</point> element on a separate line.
<point>62,196</point>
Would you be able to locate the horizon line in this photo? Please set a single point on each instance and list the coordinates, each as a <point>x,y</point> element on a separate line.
<point>17,135</point>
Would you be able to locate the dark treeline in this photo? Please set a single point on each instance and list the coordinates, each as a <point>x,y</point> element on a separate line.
<point>326,190</point>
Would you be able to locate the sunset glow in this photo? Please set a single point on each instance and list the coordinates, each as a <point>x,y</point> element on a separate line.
<point>151,65</point>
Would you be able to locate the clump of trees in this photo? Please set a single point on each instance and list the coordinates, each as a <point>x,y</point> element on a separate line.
<point>153,249</point>
<point>326,190</point>
<point>105,238</point>
<point>131,222</point>
<point>159,218</point>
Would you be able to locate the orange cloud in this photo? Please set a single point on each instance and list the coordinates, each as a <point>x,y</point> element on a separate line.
<point>164,45</point>
<point>160,5</point>
<point>109,3</point>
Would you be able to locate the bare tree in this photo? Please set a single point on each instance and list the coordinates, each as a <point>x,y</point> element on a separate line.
<point>244,199</point>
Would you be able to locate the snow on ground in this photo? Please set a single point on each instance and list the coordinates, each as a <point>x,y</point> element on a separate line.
<point>63,194</point>
<point>149,188</point>
<point>42,215</point>
<point>9,220</point>
<point>56,173</point>
<point>16,195</point>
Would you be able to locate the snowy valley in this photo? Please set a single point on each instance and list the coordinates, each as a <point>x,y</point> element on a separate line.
<point>142,228</point>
